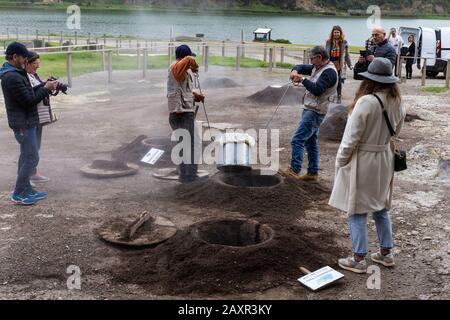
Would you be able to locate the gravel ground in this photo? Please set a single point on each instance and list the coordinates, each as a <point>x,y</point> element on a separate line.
<point>39,243</point>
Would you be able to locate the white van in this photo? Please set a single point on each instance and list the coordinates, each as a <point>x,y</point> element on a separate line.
<point>433,44</point>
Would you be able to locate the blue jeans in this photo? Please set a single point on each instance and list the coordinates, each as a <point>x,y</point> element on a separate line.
<point>28,160</point>
<point>307,136</point>
<point>357,224</point>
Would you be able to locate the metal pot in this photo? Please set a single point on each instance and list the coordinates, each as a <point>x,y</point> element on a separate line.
<point>235,152</point>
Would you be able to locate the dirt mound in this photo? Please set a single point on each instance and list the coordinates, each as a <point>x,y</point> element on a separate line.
<point>412,117</point>
<point>271,95</point>
<point>333,126</point>
<point>134,151</point>
<point>217,83</point>
<point>290,196</point>
<point>187,265</point>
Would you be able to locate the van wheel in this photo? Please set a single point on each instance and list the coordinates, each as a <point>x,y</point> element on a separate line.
<point>432,74</point>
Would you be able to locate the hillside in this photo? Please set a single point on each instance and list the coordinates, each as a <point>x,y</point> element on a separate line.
<point>389,7</point>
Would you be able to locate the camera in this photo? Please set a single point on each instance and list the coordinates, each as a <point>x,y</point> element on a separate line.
<point>60,86</point>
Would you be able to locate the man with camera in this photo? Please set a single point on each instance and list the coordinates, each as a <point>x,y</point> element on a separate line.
<point>320,90</point>
<point>381,49</point>
<point>21,108</point>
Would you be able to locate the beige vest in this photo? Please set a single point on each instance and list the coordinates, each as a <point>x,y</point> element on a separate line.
<point>320,103</point>
<point>179,95</point>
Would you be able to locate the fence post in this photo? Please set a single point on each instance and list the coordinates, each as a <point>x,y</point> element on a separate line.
<point>102,58</point>
<point>243,50</point>
<point>144,62</point>
<point>447,75</point>
<point>238,57</point>
<point>138,54</point>
<point>48,36</point>
<point>424,72</point>
<point>170,53</point>
<point>223,48</point>
<point>282,55</point>
<point>69,66</point>
<point>120,41</point>
<point>270,59</point>
<point>110,66</point>
<point>61,39</point>
<point>206,58</point>
<point>104,40</point>
<point>274,59</point>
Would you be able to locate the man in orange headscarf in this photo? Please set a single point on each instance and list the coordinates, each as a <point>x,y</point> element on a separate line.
<point>181,99</point>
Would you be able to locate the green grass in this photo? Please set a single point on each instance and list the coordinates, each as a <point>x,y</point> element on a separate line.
<point>436,89</point>
<point>86,62</point>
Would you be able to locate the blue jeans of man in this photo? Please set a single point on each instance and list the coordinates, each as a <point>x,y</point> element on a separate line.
<point>306,136</point>
<point>28,159</point>
<point>357,224</point>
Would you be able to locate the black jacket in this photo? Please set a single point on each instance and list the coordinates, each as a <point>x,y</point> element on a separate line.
<point>20,98</point>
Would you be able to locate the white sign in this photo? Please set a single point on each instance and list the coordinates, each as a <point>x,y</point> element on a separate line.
<point>320,278</point>
<point>152,156</point>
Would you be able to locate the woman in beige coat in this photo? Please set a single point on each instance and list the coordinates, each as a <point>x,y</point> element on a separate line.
<point>365,164</point>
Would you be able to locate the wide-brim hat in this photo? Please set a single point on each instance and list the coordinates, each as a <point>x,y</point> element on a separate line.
<point>380,70</point>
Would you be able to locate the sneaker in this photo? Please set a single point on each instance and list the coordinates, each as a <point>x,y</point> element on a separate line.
<point>309,177</point>
<point>292,173</point>
<point>38,195</point>
<point>32,184</point>
<point>38,178</point>
<point>387,260</point>
<point>23,200</point>
<point>351,264</point>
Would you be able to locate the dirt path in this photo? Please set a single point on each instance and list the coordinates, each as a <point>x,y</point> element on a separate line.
<point>39,243</point>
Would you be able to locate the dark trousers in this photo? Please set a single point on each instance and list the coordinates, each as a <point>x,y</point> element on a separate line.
<point>340,82</point>
<point>409,68</point>
<point>28,159</point>
<point>185,120</point>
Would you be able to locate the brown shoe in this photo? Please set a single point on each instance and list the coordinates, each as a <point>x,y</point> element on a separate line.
<point>309,177</point>
<point>291,173</point>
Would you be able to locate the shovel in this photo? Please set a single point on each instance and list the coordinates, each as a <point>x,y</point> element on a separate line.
<point>319,279</point>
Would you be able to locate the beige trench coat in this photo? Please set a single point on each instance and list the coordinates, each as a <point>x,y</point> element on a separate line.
<point>365,159</point>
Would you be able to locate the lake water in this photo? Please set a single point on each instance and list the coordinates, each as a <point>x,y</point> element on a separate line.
<point>157,25</point>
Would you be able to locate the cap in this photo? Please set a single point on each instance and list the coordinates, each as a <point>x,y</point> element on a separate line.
<point>184,51</point>
<point>18,48</point>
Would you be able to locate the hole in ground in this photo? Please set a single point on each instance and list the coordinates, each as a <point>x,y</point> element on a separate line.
<point>251,179</point>
<point>235,233</point>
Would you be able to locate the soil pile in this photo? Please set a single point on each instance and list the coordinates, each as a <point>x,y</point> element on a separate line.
<point>217,83</point>
<point>271,95</point>
<point>186,265</point>
<point>333,126</point>
<point>291,196</point>
<point>134,151</point>
<point>412,117</point>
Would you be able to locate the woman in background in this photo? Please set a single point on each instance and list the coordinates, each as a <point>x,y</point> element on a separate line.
<point>337,48</point>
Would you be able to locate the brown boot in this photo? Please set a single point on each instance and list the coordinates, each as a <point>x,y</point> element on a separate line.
<point>291,173</point>
<point>309,177</point>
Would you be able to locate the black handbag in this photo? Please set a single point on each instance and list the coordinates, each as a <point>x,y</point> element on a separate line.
<point>399,155</point>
